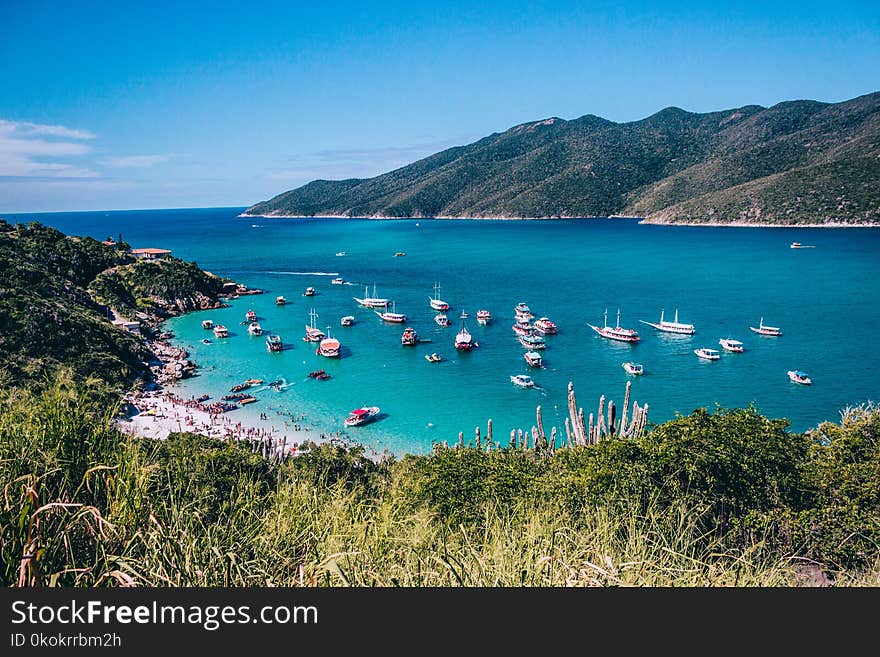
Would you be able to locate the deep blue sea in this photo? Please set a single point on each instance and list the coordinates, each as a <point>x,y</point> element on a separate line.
<point>826,300</point>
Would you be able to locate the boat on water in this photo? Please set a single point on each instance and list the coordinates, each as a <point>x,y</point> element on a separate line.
<point>615,332</point>
<point>254,382</point>
<point>523,328</point>
<point>371,301</point>
<point>221,331</point>
<point>321,375</point>
<point>545,327</point>
<point>392,315</point>
<point>436,302</point>
<point>521,307</point>
<point>338,281</point>
<point>251,316</point>
<point>255,329</point>
<point>399,254</point>
<point>464,341</point>
<point>247,400</point>
<point>636,369</point>
<point>328,347</point>
<point>799,376</point>
<point>238,387</point>
<point>441,320</point>
<point>313,333</point>
<point>673,326</point>
<point>433,358</point>
<point>280,300</point>
<point>274,343</point>
<point>310,292</point>
<point>532,342</point>
<point>409,337</point>
<point>734,346</point>
<point>348,320</point>
<point>763,329</point>
<point>522,380</point>
<point>206,341</point>
<point>203,398</point>
<point>707,354</point>
<point>207,324</point>
<point>484,317</point>
<point>798,245</point>
<point>341,253</point>
<point>361,416</point>
<point>235,397</point>
<point>533,358</point>
<point>524,315</point>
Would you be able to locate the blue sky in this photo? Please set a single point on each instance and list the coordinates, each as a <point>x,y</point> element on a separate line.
<point>185,104</point>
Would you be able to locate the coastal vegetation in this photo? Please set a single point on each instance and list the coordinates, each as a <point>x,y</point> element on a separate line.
<point>59,293</point>
<point>798,162</point>
<point>710,499</point>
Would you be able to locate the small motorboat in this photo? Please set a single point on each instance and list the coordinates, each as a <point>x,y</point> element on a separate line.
<point>522,380</point>
<point>274,343</point>
<point>341,254</point>
<point>247,400</point>
<point>251,316</point>
<point>348,320</point>
<point>207,324</point>
<point>310,292</point>
<point>203,398</point>
<point>409,337</point>
<point>521,307</point>
<point>533,358</point>
<point>707,354</point>
<point>433,358</point>
<point>280,301</point>
<point>636,369</point>
<point>360,416</point>
<point>798,376</point>
<point>484,317</point>
<point>206,341</point>
<point>321,375</point>
<point>734,346</point>
<point>238,387</point>
<point>338,281</point>
<point>442,320</point>
<point>255,329</point>
<point>399,254</point>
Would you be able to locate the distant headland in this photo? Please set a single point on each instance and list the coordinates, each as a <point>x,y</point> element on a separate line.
<point>797,163</point>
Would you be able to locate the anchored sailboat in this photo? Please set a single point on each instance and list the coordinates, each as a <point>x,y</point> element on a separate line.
<point>371,301</point>
<point>671,327</point>
<point>436,302</point>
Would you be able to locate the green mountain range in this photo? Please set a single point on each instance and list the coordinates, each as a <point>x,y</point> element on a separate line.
<point>798,162</point>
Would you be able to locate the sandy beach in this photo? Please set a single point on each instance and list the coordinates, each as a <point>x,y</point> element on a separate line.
<point>160,413</point>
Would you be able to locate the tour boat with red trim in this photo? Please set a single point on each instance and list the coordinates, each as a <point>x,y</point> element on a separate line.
<point>797,376</point>
<point>464,341</point>
<point>409,337</point>
<point>313,333</point>
<point>328,347</point>
<point>766,330</point>
<point>545,326</point>
<point>484,317</point>
<point>615,332</point>
<point>436,302</point>
<point>392,316</point>
<point>361,416</point>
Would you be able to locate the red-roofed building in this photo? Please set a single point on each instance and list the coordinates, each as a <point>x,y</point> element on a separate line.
<point>150,254</point>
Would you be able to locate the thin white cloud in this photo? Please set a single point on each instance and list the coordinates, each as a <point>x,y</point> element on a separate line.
<point>134,161</point>
<point>25,146</point>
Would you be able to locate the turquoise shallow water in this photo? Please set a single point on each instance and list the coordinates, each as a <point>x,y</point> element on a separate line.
<point>723,280</point>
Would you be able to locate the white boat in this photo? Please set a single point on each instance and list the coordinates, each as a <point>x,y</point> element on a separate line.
<point>636,369</point>
<point>673,326</point>
<point>371,301</point>
<point>523,328</point>
<point>521,307</point>
<point>615,332</point>
<point>348,320</point>
<point>280,300</point>
<point>433,358</point>
<point>442,320</point>
<point>338,281</point>
<point>532,342</point>
<point>341,253</point>
<point>328,347</point>
<point>221,331</point>
<point>707,354</point>
<point>436,302</point>
<point>313,333</point>
<point>254,328</point>
<point>523,380</point>
<point>798,245</point>
<point>392,315</point>
<point>464,341</point>
<point>310,292</point>
<point>484,317</point>
<point>361,416</point>
<point>409,338</point>
<point>798,376</point>
<point>761,329</point>
<point>545,326</point>
<point>251,316</point>
<point>273,343</point>
<point>207,324</point>
<point>734,346</point>
<point>533,358</point>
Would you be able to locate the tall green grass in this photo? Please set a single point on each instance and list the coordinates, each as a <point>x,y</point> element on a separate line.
<point>84,505</point>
